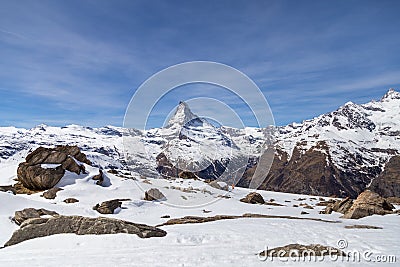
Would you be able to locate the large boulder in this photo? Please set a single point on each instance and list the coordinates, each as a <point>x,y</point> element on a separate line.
<point>34,175</point>
<point>58,224</point>
<point>154,194</point>
<point>368,203</point>
<point>37,178</point>
<point>253,198</point>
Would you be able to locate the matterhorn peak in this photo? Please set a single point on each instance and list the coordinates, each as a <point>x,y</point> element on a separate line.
<point>391,94</point>
<point>182,115</point>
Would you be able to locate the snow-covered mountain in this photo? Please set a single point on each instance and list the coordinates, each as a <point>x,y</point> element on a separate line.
<point>338,153</point>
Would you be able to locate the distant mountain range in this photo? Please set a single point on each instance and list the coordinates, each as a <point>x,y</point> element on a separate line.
<point>339,153</point>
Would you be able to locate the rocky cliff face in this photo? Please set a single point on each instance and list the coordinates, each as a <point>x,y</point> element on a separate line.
<point>387,184</point>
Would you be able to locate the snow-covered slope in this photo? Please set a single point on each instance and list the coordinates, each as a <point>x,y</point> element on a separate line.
<point>220,243</point>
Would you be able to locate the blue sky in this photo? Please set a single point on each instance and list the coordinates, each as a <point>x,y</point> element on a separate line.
<point>64,62</point>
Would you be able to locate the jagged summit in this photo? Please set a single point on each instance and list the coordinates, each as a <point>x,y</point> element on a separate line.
<point>391,94</point>
<point>183,116</point>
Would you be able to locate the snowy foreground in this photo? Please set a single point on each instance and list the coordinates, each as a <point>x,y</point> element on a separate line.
<point>233,242</point>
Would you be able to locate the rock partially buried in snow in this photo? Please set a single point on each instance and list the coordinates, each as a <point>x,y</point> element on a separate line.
<point>70,200</point>
<point>41,227</point>
<point>253,198</point>
<point>368,203</point>
<point>8,188</point>
<point>298,250</point>
<point>154,194</point>
<point>108,207</point>
<point>99,178</point>
<point>45,167</point>
<point>51,193</point>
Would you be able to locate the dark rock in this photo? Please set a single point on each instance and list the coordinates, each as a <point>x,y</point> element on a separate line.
<point>41,227</point>
<point>362,226</point>
<point>253,198</point>
<point>273,204</point>
<point>99,178</point>
<point>165,217</point>
<point>71,200</point>
<point>8,188</point>
<point>51,193</point>
<point>154,194</point>
<point>368,203</point>
<point>112,171</point>
<point>304,212</point>
<point>108,207</point>
<point>29,213</point>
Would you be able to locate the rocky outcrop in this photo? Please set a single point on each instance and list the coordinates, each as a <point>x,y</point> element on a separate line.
<point>33,175</point>
<point>108,207</point>
<point>253,198</point>
<point>154,194</point>
<point>368,203</point>
<point>51,193</point>
<point>387,184</point>
<point>58,224</point>
<point>197,219</point>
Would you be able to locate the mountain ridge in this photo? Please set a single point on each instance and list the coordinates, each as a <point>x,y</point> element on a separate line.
<point>349,146</point>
